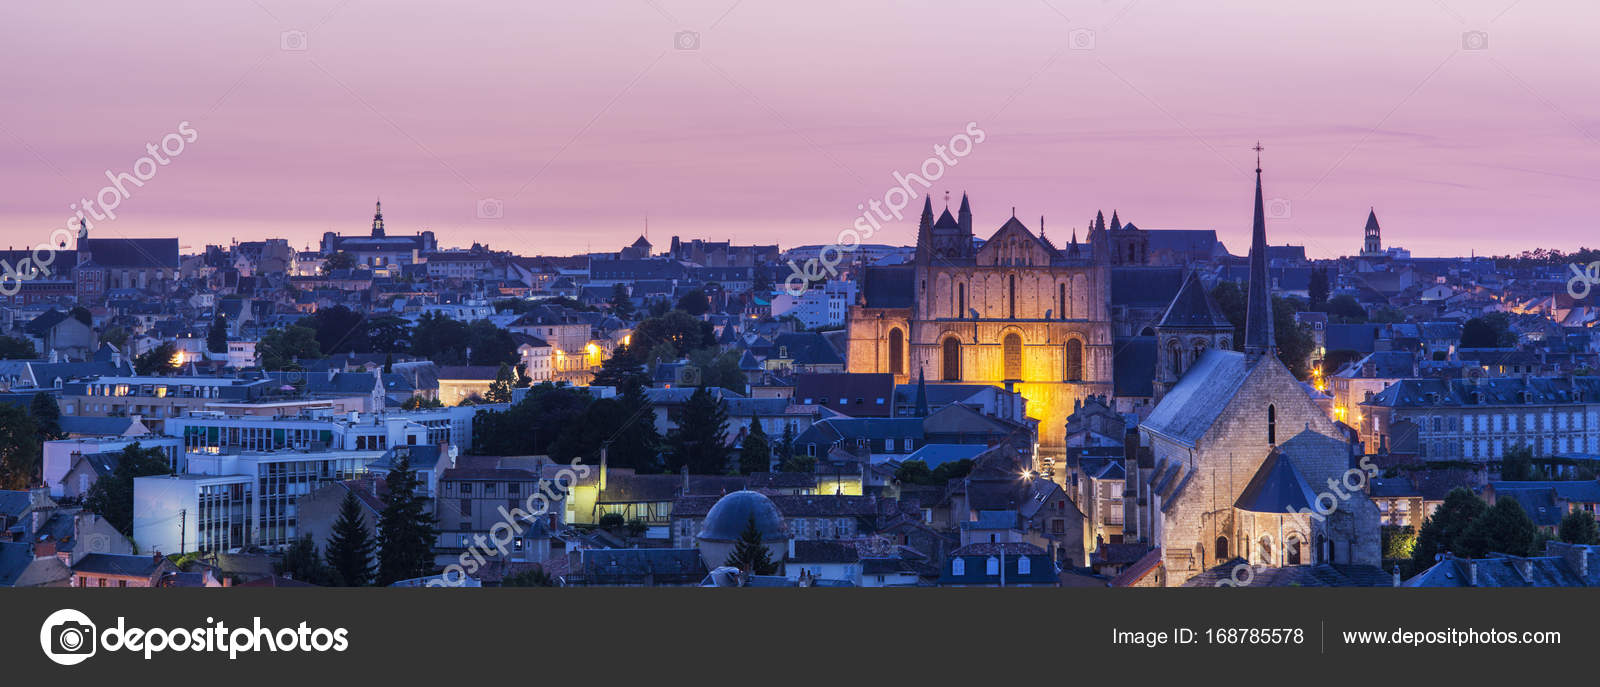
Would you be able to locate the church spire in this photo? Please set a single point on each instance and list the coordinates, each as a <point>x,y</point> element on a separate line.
<point>925,233</point>
<point>922,393</point>
<point>1116,224</point>
<point>377,220</point>
<point>964,217</point>
<point>1072,249</point>
<point>1258,337</point>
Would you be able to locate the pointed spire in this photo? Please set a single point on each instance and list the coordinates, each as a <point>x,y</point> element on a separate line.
<point>925,232</point>
<point>1099,221</point>
<point>377,220</point>
<point>1072,249</point>
<point>1258,337</point>
<point>1116,224</point>
<point>922,392</point>
<point>1041,226</point>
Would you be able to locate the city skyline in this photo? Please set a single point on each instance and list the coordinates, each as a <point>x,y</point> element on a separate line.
<point>770,125</point>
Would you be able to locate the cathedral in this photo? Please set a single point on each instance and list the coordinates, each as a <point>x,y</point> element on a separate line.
<point>1017,312</point>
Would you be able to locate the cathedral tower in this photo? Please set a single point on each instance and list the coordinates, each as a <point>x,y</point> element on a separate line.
<point>1372,246</point>
<point>1258,311</point>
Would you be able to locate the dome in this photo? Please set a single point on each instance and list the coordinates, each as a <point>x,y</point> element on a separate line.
<point>731,515</point>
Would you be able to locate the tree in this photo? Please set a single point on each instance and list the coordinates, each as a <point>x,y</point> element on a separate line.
<point>914,472</point>
<point>623,370</point>
<point>420,403</point>
<point>16,348</point>
<point>1294,340</point>
<point>612,521</point>
<point>158,361</point>
<point>338,261</point>
<point>339,330</point>
<point>1578,527</point>
<point>1442,531</point>
<point>1345,309</point>
<point>785,446</point>
<point>301,562</point>
<point>678,328</point>
<point>698,441</point>
<point>387,334</point>
<point>532,577</point>
<point>1490,331</point>
<point>19,448</point>
<point>1516,465</point>
<point>951,469</point>
<point>718,368</point>
<point>1399,542</point>
<point>755,454</point>
<point>112,495</point>
<point>750,554</point>
<point>405,529</point>
<point>1504,528</point>
<point>46,417</point>
<point>281,349</point>
<point>500,388</point>
<point>533,426</point>
<point>621,303</point>
<point>217,335</point>
<point>1318,288</point>
<point>350,547</point>
<point>695,303</point>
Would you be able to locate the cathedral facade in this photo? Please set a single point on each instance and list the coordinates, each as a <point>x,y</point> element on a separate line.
<point>1016,312</point>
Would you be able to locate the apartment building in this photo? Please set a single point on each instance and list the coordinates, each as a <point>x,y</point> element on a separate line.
<point>1479,419</point>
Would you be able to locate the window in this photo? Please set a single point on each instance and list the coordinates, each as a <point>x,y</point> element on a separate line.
<point>1024,565</point>
<point>961,301</point>
<point>1291,550</point>
<point>1074,360</point>
<point>952,359</point>
<point>992,566</point>
<point>1011,297</point>
<point>1272,425</point>
<point>958,567</point>
<point>1222,549</point>
<point>1012,351</point>
<point>1061,300</point>
<point>897,355</point>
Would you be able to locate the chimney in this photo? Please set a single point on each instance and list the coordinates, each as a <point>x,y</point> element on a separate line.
<point>791,551</point>
<point>44,549</point>
<point>1396,575</point>
<point>1472,572</point>
<point>603,472</point>
<point>36,520</point>
<point>686,480</point>
<point>1524,568</point>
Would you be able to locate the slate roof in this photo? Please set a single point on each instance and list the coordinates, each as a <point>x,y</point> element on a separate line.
<point>1189,408</point>
<point>808,348</point>
<point>824,551</point>
<point>1495,391</point>
<point>127,564</point>
<point>1276,488</point>
<point>1319,575</point>
<point>1498,571</point>
<point>1140,286</point>
<point>888,287</point>
<point>132,253</point>
<point>1133,366</point>
<point>1193,308</point>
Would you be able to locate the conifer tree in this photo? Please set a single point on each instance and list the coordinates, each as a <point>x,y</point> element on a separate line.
<point>350,546</point>
<point>750,554</point>
<point>405,530</point>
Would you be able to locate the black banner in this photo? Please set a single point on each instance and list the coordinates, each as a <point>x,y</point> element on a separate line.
<point>626,634</point>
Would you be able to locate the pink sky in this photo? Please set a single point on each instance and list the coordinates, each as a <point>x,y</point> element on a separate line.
<point>583,118</point>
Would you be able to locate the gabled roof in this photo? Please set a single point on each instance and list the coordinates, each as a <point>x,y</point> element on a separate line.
<point>1190,408</point>
<point>1276,488</point>
<point>1193,308</point>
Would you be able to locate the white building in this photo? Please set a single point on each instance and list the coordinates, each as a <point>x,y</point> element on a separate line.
<point>817,306</point>
<point>182,513</point>
<point>61,453</point>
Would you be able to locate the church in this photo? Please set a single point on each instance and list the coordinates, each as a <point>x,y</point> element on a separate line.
<point>1017,312</point>
<point>1237,472</point>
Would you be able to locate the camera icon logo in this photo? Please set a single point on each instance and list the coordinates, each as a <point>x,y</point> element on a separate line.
<point>68,637</point>
<point>689,375</point>
<point>686,40</point>
<point>1081,39</point>
<point>1474,40</point>
<point>1278,208</point>
<point>491,208</point>
<point>292,41</point>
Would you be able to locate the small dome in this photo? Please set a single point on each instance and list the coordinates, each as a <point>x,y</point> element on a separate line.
<point>731,515</point>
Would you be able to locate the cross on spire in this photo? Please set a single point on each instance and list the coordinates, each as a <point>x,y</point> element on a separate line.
<point>1258,150</point>
<point>947,200</point>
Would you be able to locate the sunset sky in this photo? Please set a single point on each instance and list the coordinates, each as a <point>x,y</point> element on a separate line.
<point>583,118</point>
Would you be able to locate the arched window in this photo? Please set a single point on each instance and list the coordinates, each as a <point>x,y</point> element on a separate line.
<point>952,359</point>
<point>992,566</point>
<point>1175,355</point>
<point>1266,550</point>
<point>1011,349</point>
<point>1222,549</point>
<point>1061,300</point>
<point>1024,565</point>
<point>958,566</point>
<point>1011,297</point>
<point>1073,358</point>
<point>897,353</point>
<point>1291,550</point>
<point>1272,425</point>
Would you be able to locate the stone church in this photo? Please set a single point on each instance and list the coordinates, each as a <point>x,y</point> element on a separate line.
<point>1016,312</point>
<point>1236,463</point>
